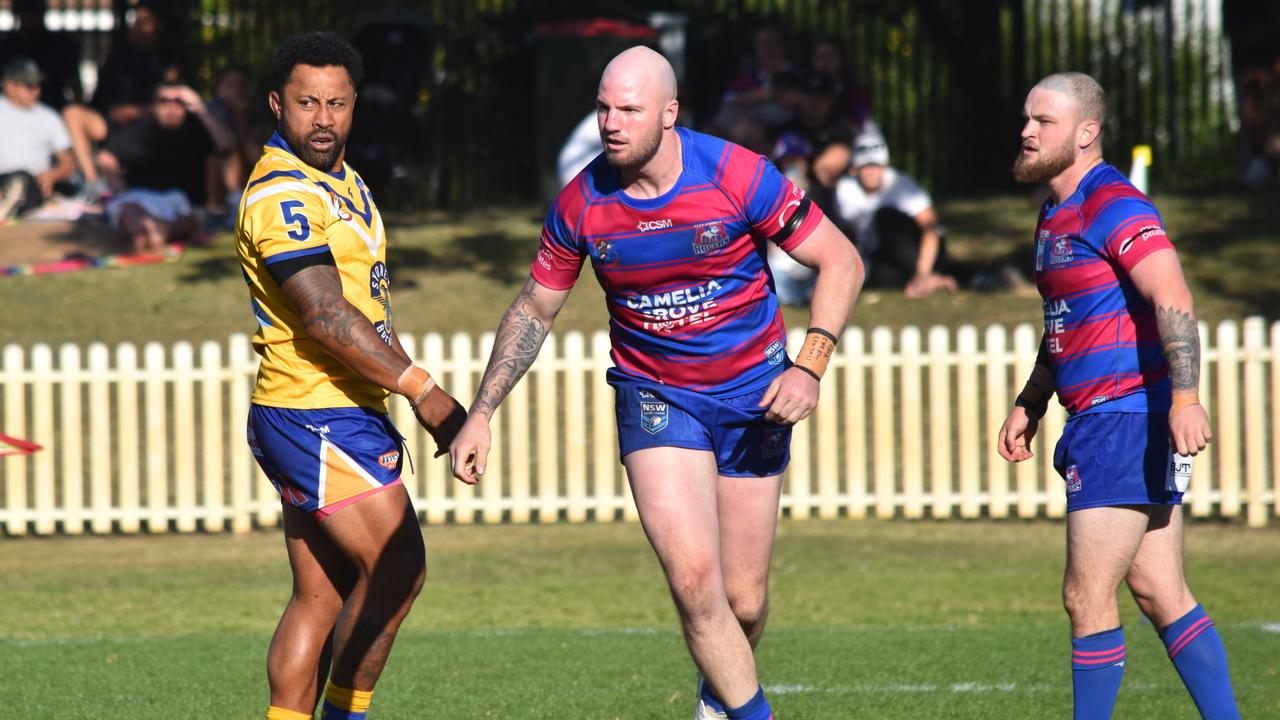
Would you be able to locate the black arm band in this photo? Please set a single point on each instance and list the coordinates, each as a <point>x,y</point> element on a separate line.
<point>823,333</point>
<point>286,269</point>
<point>1037,409</point>
<point>797,219</point>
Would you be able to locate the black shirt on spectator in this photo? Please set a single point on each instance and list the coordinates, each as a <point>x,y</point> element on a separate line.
<point>160,159</point>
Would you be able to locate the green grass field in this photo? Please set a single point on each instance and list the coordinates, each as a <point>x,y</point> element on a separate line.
<point>457,272</point>
<point>870,620</point>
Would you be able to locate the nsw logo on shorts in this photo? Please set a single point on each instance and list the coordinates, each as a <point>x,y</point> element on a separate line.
<point>1073,479</point>
<point>654,415</point>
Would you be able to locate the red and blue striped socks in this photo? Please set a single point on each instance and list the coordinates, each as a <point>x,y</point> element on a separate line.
<point>1097,667</point>
<point>1196,651</point>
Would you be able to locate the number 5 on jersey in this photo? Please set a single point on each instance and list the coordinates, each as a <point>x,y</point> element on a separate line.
<point>289,209</point>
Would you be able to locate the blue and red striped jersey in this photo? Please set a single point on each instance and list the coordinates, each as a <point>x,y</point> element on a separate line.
<point>690,298</point>
<point>1099,329</point>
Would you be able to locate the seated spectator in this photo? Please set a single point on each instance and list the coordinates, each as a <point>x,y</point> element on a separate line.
<point>852,100</point>
<point>56,53</point>
<point>35,152</point>
<point>156,167</point>
<point>750,104</point>
<point>829,138</point>
<point>231,107</point>
<point>792,281</point>
<point>131,71</point>
<point>892,221</point>
<point>579,149</point>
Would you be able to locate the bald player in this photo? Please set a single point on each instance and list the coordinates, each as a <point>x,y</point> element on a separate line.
<point>675,226</point>
<point>1122,350</point>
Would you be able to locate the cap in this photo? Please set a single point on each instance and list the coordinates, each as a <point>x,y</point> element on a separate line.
<point>23,70</point>
<point>791,144</point>
<point>869,148</point>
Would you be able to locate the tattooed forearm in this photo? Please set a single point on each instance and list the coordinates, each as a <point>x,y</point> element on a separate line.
<point>519,337</point>
<point>1180,340</point>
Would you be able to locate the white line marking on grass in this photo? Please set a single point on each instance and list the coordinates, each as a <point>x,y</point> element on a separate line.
<point>911,688</point>
<point>1270,628</point>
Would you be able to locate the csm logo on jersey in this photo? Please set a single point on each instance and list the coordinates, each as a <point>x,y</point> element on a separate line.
<point>709,238</point>
<point>647,225</point>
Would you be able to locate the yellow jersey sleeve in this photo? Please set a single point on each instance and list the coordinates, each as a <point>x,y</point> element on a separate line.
<point>287,217</point>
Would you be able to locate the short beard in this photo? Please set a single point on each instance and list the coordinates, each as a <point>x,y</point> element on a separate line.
<point>641,156</point>
<point>1045,167</point>
<point>324,162</point>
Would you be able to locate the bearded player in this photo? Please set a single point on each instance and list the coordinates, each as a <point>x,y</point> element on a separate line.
<point>675,225</point>
<point>313,250</point>
<point>1121,348</point>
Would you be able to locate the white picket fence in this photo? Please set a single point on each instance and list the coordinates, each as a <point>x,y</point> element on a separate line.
<point>905,427</point>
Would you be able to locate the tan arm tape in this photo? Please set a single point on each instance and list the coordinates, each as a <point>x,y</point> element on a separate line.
<point>1184,399</point>
<point>816,352</point>
<point>415,384</point>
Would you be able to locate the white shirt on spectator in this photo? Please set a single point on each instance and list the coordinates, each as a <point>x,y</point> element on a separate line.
<point>858,208</point>
<point>580,149</point>
<point>30,138</point>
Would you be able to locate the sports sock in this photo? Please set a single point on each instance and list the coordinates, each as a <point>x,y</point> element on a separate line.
<point>279,713</point>
<point>345,704</point>
<point>707,697</point>
<point>1196,651</point>
<point>1097,667</point>
<point>757,708</point>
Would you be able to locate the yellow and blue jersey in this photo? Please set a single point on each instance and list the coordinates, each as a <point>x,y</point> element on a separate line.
<point>290,210</point>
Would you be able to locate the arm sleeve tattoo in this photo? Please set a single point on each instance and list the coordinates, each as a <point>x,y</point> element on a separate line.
<point>1180,340</point>
<point>519,337</point>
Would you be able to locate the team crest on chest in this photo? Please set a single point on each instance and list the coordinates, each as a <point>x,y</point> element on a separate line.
<point>338,208</point>
<point>1060,251</point>
<point>709,237</point>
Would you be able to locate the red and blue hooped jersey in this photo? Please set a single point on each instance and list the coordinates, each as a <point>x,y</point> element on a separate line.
<point>1098,328</point>
<point>690,298</point>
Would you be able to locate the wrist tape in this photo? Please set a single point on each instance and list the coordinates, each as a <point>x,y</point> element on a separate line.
<point>1183,399</point>
<point>415,384</point>
<point>816,352</point>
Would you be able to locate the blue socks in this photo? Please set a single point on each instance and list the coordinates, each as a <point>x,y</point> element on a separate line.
<point>757,708</point>
<point>707,697</point>
<point>1097,667</point>
<point>1196,651</point>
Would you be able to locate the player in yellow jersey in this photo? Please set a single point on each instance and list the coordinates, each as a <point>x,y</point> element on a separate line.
<point>313,250</point>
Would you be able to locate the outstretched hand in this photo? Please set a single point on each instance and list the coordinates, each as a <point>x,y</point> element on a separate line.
<point>441,416</point>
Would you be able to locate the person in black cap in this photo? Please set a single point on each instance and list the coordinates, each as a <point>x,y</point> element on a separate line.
<point>56,53</point>
<point>33,138</point>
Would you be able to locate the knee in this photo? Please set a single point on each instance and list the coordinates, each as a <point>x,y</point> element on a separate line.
<point>1162,603</point>
<point>749,606</point>
<point>696,587</point>
<point>1080,601</point>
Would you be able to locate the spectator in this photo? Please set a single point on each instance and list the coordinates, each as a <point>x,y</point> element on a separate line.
<point>156,166</point>
<point>750,104</point>
<point>892,221</point>
<point>56,54</point>
<point>133,69</point>
<point>581,147</point>
<point>33,138</point>
<point>792,281</point>
<point>231,107</point>
<point>852,100</point>
<point>829,138</point>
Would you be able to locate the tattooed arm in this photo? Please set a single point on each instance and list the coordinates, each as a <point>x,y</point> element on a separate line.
<point>1159,278</point>
<point>520,334</point>
<point>345,333</point>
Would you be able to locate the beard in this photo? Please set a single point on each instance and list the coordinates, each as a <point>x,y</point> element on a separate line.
<point>324,161</point>
<point>641,152</point>
<point>1044,165</point>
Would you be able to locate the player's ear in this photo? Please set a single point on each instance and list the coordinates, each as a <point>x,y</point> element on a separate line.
<point>669,114</point>
<point>1088,133</point>
<point>273,100</point>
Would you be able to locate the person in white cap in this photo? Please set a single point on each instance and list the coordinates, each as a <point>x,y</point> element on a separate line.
<point>892,221</point>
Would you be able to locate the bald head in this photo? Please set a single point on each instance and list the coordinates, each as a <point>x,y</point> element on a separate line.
<point>644,70</point>
<point>1085,92</point>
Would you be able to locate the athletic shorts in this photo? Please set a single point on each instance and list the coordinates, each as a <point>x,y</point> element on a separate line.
<point>1115,458</point>
<point>322,460</point>
<point>733,429</point>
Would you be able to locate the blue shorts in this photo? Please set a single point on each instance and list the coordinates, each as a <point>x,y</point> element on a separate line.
<point>733,429</point>
<point>1120,458</point>
<point>323,460</point>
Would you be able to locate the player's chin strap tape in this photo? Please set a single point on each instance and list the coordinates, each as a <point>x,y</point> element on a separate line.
<point>797,219</point>
<point>816,352</point>
<point>415,384</point>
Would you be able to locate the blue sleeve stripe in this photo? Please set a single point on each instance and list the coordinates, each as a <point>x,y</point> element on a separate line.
<point>297,254</point>
<point>296,174</point>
